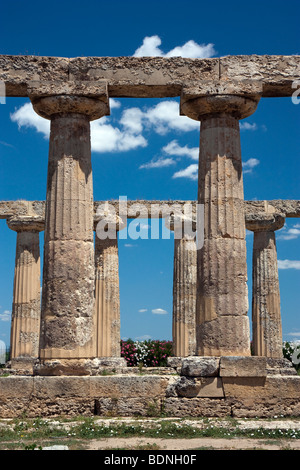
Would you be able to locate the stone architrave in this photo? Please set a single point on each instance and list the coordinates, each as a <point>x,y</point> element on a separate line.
<point>266,315</point>
<point>68,304</point>
<point>184,287</point>
<point>222,325</point>
<point>26,310</point>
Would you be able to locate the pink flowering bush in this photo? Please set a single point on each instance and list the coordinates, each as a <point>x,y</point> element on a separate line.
<point>151,353</point>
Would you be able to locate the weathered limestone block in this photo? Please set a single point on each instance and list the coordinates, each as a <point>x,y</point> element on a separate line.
<point>280,366</point>
<point>243,366</point>
<point>275,74</point>
<point>204,407</point>
<point>152,76</point>
<point>128,406</point>
<point>128,386</point>
<point>273,387</point>
<point>26,311</point>
<point>198,366</point>
<point>265,407</point>
<point>191,387</point>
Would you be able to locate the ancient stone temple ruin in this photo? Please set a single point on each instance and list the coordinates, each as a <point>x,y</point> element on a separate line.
<point>61,345</point>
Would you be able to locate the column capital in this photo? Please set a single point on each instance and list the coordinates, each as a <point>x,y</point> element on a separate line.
<point>107,223</point>
<point>182,225</point>
<point>263,222</point>
<point>57,98</point>
<point>26,223</point>
<point>201,99</point>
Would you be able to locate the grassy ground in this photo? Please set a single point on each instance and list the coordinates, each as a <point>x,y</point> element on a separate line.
<point>145,433</point>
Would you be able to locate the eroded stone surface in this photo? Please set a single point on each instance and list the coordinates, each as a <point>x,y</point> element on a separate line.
<point>198,366</point>
<point>243,366</point>
<point>151,76</point>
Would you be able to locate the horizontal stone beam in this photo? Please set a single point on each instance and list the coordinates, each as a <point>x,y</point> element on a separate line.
<point>153,209</point>
<point>141,77</point>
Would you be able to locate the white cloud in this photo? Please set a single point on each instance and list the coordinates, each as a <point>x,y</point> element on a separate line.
<point>25,116</point>
<point>159,163</point>
<point>159,311</point>
<point>132,120</point>
<point>150,48</point>
<point>289,234</point>
<point>114,103</point>
<point>173,148</point>
<point>288,264</point>
<point>5,316</point>
<point>165,117</point>
<point>191,172</point>
<point>104,136</point>
<point>142,310</point>
<point>247,126</point>
<point>249,165</point>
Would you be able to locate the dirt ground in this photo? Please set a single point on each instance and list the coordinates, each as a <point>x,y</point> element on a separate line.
<point>271,441</point>
<point>192,444</point>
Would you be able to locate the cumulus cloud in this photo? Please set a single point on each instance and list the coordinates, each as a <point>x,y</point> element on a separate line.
<point>289,234</point>
<point>191,172</point>
<point>150,48</point>
<point>142,310</point>
<point>288,264</point>
<point>159,311</point>
<point>26,117</point>
<point>173,148</point>
<point>165,117</point>
<point>106,137</point>
<point>249,165</point>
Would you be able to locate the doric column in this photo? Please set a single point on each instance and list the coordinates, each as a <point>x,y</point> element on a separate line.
<point>107,291</point>
<point>266,316</point>
<point>107,297</point>
<point>184,290</point>
<point>222,300</point>
<point>26,310</point>
<point>69,273</point>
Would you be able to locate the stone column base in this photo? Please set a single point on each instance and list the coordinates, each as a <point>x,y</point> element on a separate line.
<point>22,365</point>
<point>79,367</point>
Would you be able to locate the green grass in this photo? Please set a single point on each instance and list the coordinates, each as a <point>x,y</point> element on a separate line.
<point>31,433</point>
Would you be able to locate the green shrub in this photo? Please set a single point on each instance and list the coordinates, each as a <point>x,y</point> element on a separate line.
<point>291,351</point>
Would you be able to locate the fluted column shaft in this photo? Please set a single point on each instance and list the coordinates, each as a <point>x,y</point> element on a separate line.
<point>69,272</point>
<point>266,315</point>
<point>107,297</point>
<point>222,301</point>
<point>184,296</point>
<point>26,310</point>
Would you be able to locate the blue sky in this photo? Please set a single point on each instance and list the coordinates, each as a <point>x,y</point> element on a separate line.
<point>145,150</point>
